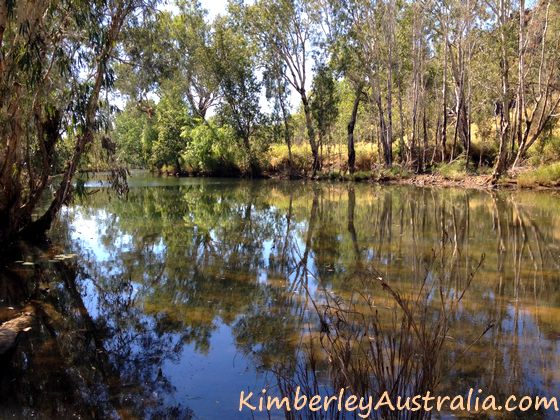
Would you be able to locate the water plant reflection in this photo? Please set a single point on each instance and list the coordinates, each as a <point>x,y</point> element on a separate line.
<point>286,269</point>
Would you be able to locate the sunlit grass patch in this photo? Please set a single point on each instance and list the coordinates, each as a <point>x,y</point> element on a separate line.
<point>548,176</point>
<point>453,171</point>
<point>334,158</point>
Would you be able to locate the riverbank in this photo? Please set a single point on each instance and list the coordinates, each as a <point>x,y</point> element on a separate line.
<point>401,177</point>
<point>479,182</point>
<point>541,178</point>
<point>545,177</point>
<point>454,175</point>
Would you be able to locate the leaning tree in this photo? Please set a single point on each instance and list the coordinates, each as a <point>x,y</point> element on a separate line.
<point>55,73</point>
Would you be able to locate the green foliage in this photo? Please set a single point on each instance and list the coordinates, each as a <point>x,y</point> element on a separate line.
<point>172,48</point>
<point>210,150</point>
<point>393,173</point>
<point>62,153</point>
<point>135,134</point>
<point>195,57</point>
<point>171,119</point>
<point>235,68</point>
<point>547,176</point>
<point>361,176</point>
<point>551,149</point>
<point>547,150</point>
<point>324,100</point>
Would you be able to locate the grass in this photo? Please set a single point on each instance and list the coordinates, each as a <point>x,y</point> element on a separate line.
<point>547,176</point>
<point>334,158</point>
<point>382,339</point>
<point>394,173</point>
<point>335,166</point>
<point>453,171</point>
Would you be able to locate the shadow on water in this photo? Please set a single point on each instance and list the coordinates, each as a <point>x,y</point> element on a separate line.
<point>193,287</point>
<point>64,366</point>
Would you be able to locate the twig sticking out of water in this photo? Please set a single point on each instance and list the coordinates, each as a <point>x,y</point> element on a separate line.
<point>391,341</point>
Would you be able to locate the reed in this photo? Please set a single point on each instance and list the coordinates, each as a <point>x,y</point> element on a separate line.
<point>382,339</point>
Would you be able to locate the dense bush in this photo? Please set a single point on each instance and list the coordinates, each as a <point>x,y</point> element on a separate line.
<point>547,150</point>
<point>172,117</point>
<point>210,150</point>
<point>135,134</point>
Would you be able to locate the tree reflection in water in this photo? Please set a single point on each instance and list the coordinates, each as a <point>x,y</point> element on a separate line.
<point>291,270</point>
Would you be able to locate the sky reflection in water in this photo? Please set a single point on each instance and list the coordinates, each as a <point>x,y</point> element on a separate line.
<point>215,268</point>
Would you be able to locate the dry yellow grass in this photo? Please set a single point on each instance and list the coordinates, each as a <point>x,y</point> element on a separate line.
<point>334,157</point>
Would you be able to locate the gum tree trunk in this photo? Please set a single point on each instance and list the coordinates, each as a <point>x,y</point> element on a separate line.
<point>351,126</point>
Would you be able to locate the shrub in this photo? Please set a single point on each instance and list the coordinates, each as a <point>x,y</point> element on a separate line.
<point>483,153</point>
<point>365,156</point>
<point>171,118</point>
<point>361,176</point>
<point>277,159</point>
<point>551,150</point>
<point>211,150</point>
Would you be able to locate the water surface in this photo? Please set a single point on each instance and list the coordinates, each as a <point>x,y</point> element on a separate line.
<point>197,289</point>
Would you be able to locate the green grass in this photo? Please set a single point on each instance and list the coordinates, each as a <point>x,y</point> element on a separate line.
<point>548,176</point>
<point>453,171</point>
<point>360,176</point>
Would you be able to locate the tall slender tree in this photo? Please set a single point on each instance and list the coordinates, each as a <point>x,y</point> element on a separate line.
<point>239,87</point>
<point>288,28</point>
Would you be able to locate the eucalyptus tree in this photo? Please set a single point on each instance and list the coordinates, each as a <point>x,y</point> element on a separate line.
<point>130,125</point>
<point>145,62</point>
<point>528,104</point>
<point>171,118</point>
<point>347,58</point>
<point>289,29</point>
<point>55,63</point>
<point>195,55</point>
<point>501,11</point>
<point>172,46</point>
<point>377,34</point>
<point>370,34</point>
<point>324,102</point>
<point>235,64</point>
<point>277,90</point>
<point>460,39</point>
<point>538,94</point>
<point>440,14</point>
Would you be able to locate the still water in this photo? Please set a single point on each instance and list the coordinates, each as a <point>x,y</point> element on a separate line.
<point>192,290</point>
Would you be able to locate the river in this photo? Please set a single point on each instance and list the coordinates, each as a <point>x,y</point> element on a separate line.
<point>192,290</point>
